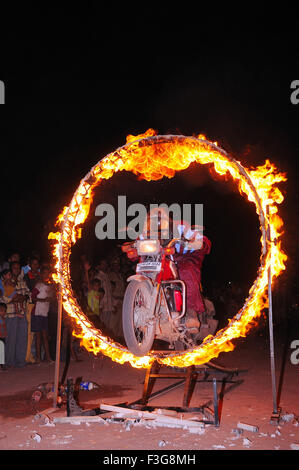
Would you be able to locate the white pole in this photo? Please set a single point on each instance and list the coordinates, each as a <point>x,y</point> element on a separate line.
<point>270,318</point>
<point>58,339</point>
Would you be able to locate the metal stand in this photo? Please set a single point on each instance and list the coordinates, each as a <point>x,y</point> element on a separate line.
<point>73,408</point>
<point>275,417</point>
<point>58,343</point>
<point>189,377</point>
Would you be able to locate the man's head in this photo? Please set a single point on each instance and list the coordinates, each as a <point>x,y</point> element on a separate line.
<point>15,268</point>
<point>6,275</point>
<point>102,265</point>
<point>96,284</point>
<point>34,264</point>
<point>14,257</point>
<point>115,264</point>
<point>45,273</point>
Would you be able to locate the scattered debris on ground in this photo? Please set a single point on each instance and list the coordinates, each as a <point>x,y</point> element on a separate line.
<point>159,417</point>
<point>36,437</point>
<point>30,421</point>
<point>247,442</point>
<point>247,427</point>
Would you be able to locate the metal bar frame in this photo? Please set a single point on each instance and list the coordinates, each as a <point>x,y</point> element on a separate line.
<point>275,414</point>
<point>190,378</point>
<point>58,342</point>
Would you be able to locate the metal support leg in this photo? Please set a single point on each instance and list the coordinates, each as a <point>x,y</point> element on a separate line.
<point>189,385</point>
<point>275,414</point>
<point>149,382</point>
<point>58,342</point>
<point>216,414</point>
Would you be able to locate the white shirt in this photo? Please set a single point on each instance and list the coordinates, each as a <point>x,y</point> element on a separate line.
<point>42,308</point>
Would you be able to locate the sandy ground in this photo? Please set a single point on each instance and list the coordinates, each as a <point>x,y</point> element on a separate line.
<point>22,426</point>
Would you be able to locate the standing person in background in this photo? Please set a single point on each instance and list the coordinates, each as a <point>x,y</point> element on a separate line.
<point>31,278</point>
<point>41,296</point>
<point>16,323</point>
<point>3,334</point>
<point>15,257</point>
<point>7,285</point>
<point>107,303</point>
<point>32,275</point>
<point>87,276</point>
<point>94,300</point>
<point>26,268</point>
<point>115,275</point>
<point>118,292</point>
<point>52,319</point>
<point>3,263</point>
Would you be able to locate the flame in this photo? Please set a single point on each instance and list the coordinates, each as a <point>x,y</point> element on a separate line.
<point>148,133</point>
<point>152,157</point>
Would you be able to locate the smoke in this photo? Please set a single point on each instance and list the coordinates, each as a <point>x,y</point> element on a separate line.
<point>200,176</point>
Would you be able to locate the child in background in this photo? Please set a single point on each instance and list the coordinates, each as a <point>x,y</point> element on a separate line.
<point>31,277</point>
<point>7,286</point>
<point>3,334</point>
<point>8,289</point>
<point>41,296</point>
<point>94,297</point>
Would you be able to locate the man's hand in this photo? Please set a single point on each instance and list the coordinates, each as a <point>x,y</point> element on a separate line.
<point>86,266</point>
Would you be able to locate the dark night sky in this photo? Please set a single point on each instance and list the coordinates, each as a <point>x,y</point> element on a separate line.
<point>78,82</point>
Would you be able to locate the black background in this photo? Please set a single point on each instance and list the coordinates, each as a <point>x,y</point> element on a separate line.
<point>80,79</point>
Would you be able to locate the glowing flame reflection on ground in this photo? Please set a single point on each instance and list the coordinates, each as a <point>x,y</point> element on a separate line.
<point>153,157</point>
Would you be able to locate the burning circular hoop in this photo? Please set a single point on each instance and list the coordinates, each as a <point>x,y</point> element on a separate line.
<point>152,157</point>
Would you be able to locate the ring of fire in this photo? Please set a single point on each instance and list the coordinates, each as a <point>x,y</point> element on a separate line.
<point>153,157</point>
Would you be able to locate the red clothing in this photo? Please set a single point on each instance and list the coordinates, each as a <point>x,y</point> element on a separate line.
<point>3,331</point>
<point>31,279</point>
<point>189,268</point>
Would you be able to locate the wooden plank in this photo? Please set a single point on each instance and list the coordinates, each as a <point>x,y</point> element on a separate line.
<point>151,416</point>
<point>78,419</point>
<point>47,411</point>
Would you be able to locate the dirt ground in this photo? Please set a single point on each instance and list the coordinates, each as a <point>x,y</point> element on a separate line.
<point>24,428</point>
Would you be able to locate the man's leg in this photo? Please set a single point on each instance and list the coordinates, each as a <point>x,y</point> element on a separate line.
<point>46,344</point>
<point>22,339</point>
<point>38,336</point>
<point>29,356</point>
<point>189,273</point>
<point>10,344</point>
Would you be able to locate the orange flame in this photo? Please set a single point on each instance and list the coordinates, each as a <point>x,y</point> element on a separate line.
<point>148,133</point>
<point>153,157</point>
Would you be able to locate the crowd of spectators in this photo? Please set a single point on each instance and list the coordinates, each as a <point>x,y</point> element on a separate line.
<point>29,305</point>
<point>100,288</point>
<point>28,309</point>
